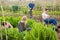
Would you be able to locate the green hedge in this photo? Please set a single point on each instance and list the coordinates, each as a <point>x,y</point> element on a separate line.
<point>38,32</point>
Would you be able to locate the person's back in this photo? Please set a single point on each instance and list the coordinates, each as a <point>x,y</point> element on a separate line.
<point>31,5</point>
<point>21,26</point>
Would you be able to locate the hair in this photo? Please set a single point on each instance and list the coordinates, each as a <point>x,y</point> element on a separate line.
<point>24,18</point>
<point>3,23</point>
<point>46,9</point>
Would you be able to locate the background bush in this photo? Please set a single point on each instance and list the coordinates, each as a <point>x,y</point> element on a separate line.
<point>15,8</point>
<point>37,10</point>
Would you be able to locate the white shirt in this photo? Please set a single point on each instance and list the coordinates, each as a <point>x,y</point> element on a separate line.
<point>44,16</point>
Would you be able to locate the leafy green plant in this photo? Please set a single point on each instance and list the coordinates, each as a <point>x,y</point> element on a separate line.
<point>13,20</point>
<point>30,22</point>
<point>41,32</point>
<point>15,8</point>
<point>38,32</point>
<point>12,34</point>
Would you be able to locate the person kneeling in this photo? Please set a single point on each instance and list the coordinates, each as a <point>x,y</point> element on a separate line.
<point>22,25</point>
<point>48,20</point>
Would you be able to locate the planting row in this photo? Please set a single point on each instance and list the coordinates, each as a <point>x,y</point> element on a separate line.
<point>38,32</point>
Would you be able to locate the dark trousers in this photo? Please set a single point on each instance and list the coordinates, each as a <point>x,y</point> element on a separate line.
<point>50,20</point>
<point>30,12</point>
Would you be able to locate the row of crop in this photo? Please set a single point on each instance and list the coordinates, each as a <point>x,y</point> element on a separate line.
<point>38,32</point>
<point>14,8</point>
<point>50,12</point>
<point>35,12</point>
<point>38,7</point>
<point>14,20</point>
<point>24,9</point>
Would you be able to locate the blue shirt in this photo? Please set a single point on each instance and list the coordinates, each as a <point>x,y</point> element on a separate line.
<point>31,5</point>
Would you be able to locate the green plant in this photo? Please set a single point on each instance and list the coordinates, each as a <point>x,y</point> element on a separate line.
<point>15,8</point>
<point>30,22</point>
<point>41,32</point>
<point>13,20</point>
<point>12,34</point>
<point>38,32</point>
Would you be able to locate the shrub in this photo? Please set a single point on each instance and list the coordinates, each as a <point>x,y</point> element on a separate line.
<point>12,34</point>
<point>13,20</point>
<point>38,32</point>
<point>30,22</point>
<point>15,8</point>
<point>25,10</point>
<point>41,32</point>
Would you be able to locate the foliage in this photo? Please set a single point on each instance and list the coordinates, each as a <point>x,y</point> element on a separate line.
<point>13,20</point>
<point>41,32</point>
<point>37,10</point>
<point>12,34</point>
<point>30,22</point>
<point>15,8</point>
<point>38,32</point>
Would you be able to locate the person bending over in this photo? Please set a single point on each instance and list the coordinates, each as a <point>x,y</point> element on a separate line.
<point>6,25</point>
<point>22,25</point>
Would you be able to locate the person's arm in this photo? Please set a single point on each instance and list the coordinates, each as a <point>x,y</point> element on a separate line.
<point>10,25</point>
<point>20,27</point>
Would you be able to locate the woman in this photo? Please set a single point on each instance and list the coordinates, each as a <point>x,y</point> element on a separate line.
<point>6,25</point>
<point>22,26</point>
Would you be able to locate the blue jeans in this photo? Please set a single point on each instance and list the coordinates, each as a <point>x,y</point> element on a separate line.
<point>50,20</point>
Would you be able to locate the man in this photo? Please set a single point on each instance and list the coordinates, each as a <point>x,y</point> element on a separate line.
<point>31,6</point>
<point>48,20</point>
